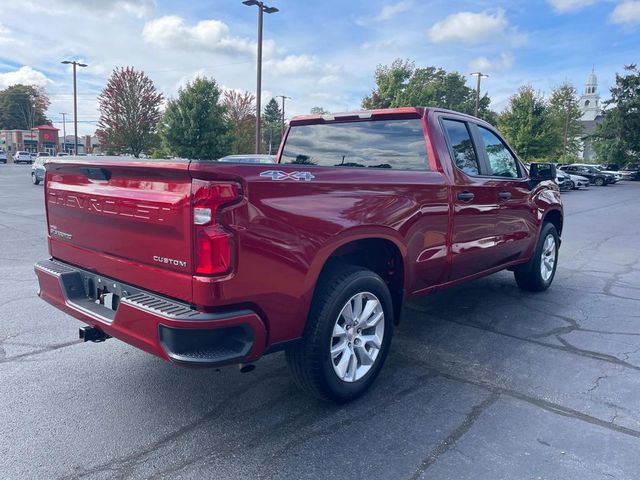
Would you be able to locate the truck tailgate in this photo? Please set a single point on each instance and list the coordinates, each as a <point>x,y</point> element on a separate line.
<point>126,219</point>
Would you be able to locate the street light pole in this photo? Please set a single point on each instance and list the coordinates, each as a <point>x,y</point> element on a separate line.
<point>283,97</point>
<point>480,76</point>
<point>75,103</point>
<point>64,131</point>
<point>262,9</point>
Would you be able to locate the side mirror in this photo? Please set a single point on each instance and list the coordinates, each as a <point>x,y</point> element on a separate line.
<point>539,172</point>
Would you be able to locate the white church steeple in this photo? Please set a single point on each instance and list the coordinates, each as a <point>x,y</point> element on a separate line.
<point>590,99</point>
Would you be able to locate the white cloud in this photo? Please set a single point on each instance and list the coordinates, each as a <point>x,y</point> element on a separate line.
<point>392,9</point>
<point>24,75</point>
<point>296,65</point>
<point>626,13</point>
<point>473,28</point>
<point>484,65</point>
<point>563,6</point>
<point>136,8</point>
<point>207,35</point>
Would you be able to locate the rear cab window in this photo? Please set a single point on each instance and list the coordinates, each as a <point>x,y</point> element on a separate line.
<point>385,144</point>
<point>463,149</point>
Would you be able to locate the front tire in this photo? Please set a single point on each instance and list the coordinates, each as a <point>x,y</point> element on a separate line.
<point>34,179</point>
<point>545,262</point>
<point>347,336</point>
<point>599,182</point>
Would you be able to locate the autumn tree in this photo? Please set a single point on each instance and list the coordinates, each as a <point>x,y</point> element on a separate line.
<point>617,139</point>
<point>528,125</point>
<point>402,84</point>
<point>129,112</point>
<point>272,121</point>
<point>241,116</point>
<point>565,113</point>
<point>22,107</point>
<point>194,125</point>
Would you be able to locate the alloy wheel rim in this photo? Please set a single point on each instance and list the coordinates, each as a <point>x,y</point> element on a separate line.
<point>357,337</point>
<point>548,260</point>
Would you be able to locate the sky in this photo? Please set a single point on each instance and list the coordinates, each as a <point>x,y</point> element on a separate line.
<point>320,53</point>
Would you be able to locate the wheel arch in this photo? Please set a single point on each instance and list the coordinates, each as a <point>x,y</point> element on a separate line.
<point>556,218</point>
<point>381,252</point>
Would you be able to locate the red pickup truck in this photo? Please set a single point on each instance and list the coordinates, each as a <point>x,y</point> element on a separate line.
<point>204,263</point>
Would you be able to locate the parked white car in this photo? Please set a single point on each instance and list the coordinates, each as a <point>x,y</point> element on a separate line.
<point>22,157</point>
<point>578,182</point>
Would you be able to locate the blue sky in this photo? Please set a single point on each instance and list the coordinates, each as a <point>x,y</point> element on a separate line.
<point>320,53</point>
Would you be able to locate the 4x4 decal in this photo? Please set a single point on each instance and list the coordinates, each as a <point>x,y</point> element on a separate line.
<point>280,175</point>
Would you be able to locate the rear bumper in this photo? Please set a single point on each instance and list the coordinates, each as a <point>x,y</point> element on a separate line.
<point>158,325</point>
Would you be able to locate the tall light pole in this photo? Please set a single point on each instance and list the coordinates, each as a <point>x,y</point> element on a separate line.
<point>480,76</point>
<point>75,103</point>
<point>64,131</point>
<point>262,9</point>
<point>283,97</point>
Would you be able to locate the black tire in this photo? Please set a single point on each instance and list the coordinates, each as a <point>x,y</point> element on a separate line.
<point>573,185</point>
<point>34,179</point>
<point>599,182</point>
<point>532,279</point>
<point>310,361</point>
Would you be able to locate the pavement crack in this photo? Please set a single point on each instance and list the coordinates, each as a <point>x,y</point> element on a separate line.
<point>40,351</point>
<point>450,442</point>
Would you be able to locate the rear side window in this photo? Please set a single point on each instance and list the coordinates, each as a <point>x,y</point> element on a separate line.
<point>501,162</point>
<point>395,144</point>
<point>463,151</point>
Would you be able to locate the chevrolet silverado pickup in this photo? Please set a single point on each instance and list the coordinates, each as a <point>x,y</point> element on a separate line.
<point>206,263</point>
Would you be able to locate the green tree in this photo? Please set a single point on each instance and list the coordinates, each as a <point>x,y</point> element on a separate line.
<point>318,111</point>
<point>22,107</point>
<point>617,140</point>
<point>401,84</point>
<point>194,124</point>
<point>272,130</point>
<point>528,125</point>
<point>129,112</point>
<point>565,112</point>
<point>240,113</point>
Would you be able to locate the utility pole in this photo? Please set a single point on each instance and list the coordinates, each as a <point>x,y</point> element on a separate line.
<point>64,131</point>
<point>262,9</point>
<point>75,103</point>
<point>283,97</point>
<point>480,76</point>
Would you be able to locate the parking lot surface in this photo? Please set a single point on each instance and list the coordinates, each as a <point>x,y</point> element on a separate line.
<point>484,381</point>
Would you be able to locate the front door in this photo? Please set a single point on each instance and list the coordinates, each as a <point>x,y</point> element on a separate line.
<point>475,206</point>
<point>516,226</point>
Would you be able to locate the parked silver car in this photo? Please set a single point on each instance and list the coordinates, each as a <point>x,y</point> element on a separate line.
<point>37,170</point>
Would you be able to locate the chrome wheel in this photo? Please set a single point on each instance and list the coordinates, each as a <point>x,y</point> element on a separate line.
<point>548,260</point>
<point>357,337</point>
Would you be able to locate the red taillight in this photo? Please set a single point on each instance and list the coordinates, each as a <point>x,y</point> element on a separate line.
<point>213,244</point>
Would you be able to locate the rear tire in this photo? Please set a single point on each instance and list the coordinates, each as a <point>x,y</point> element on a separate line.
<point>599,182</point>
<point>347,335</point>
<point>545,262</point>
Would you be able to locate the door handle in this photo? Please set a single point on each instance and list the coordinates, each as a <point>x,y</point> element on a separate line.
<point>505,195</point>
<point>466,196</point>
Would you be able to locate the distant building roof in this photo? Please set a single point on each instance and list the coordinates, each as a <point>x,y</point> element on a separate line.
<point>45,127</point>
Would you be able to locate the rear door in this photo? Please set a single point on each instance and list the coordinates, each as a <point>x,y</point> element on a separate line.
<point>125,219</point>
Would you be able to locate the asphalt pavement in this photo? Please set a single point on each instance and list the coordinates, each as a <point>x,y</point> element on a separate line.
<point>484,381</point>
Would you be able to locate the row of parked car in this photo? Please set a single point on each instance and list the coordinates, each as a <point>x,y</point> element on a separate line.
<point>23,156</point>
<point>581,175</point>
